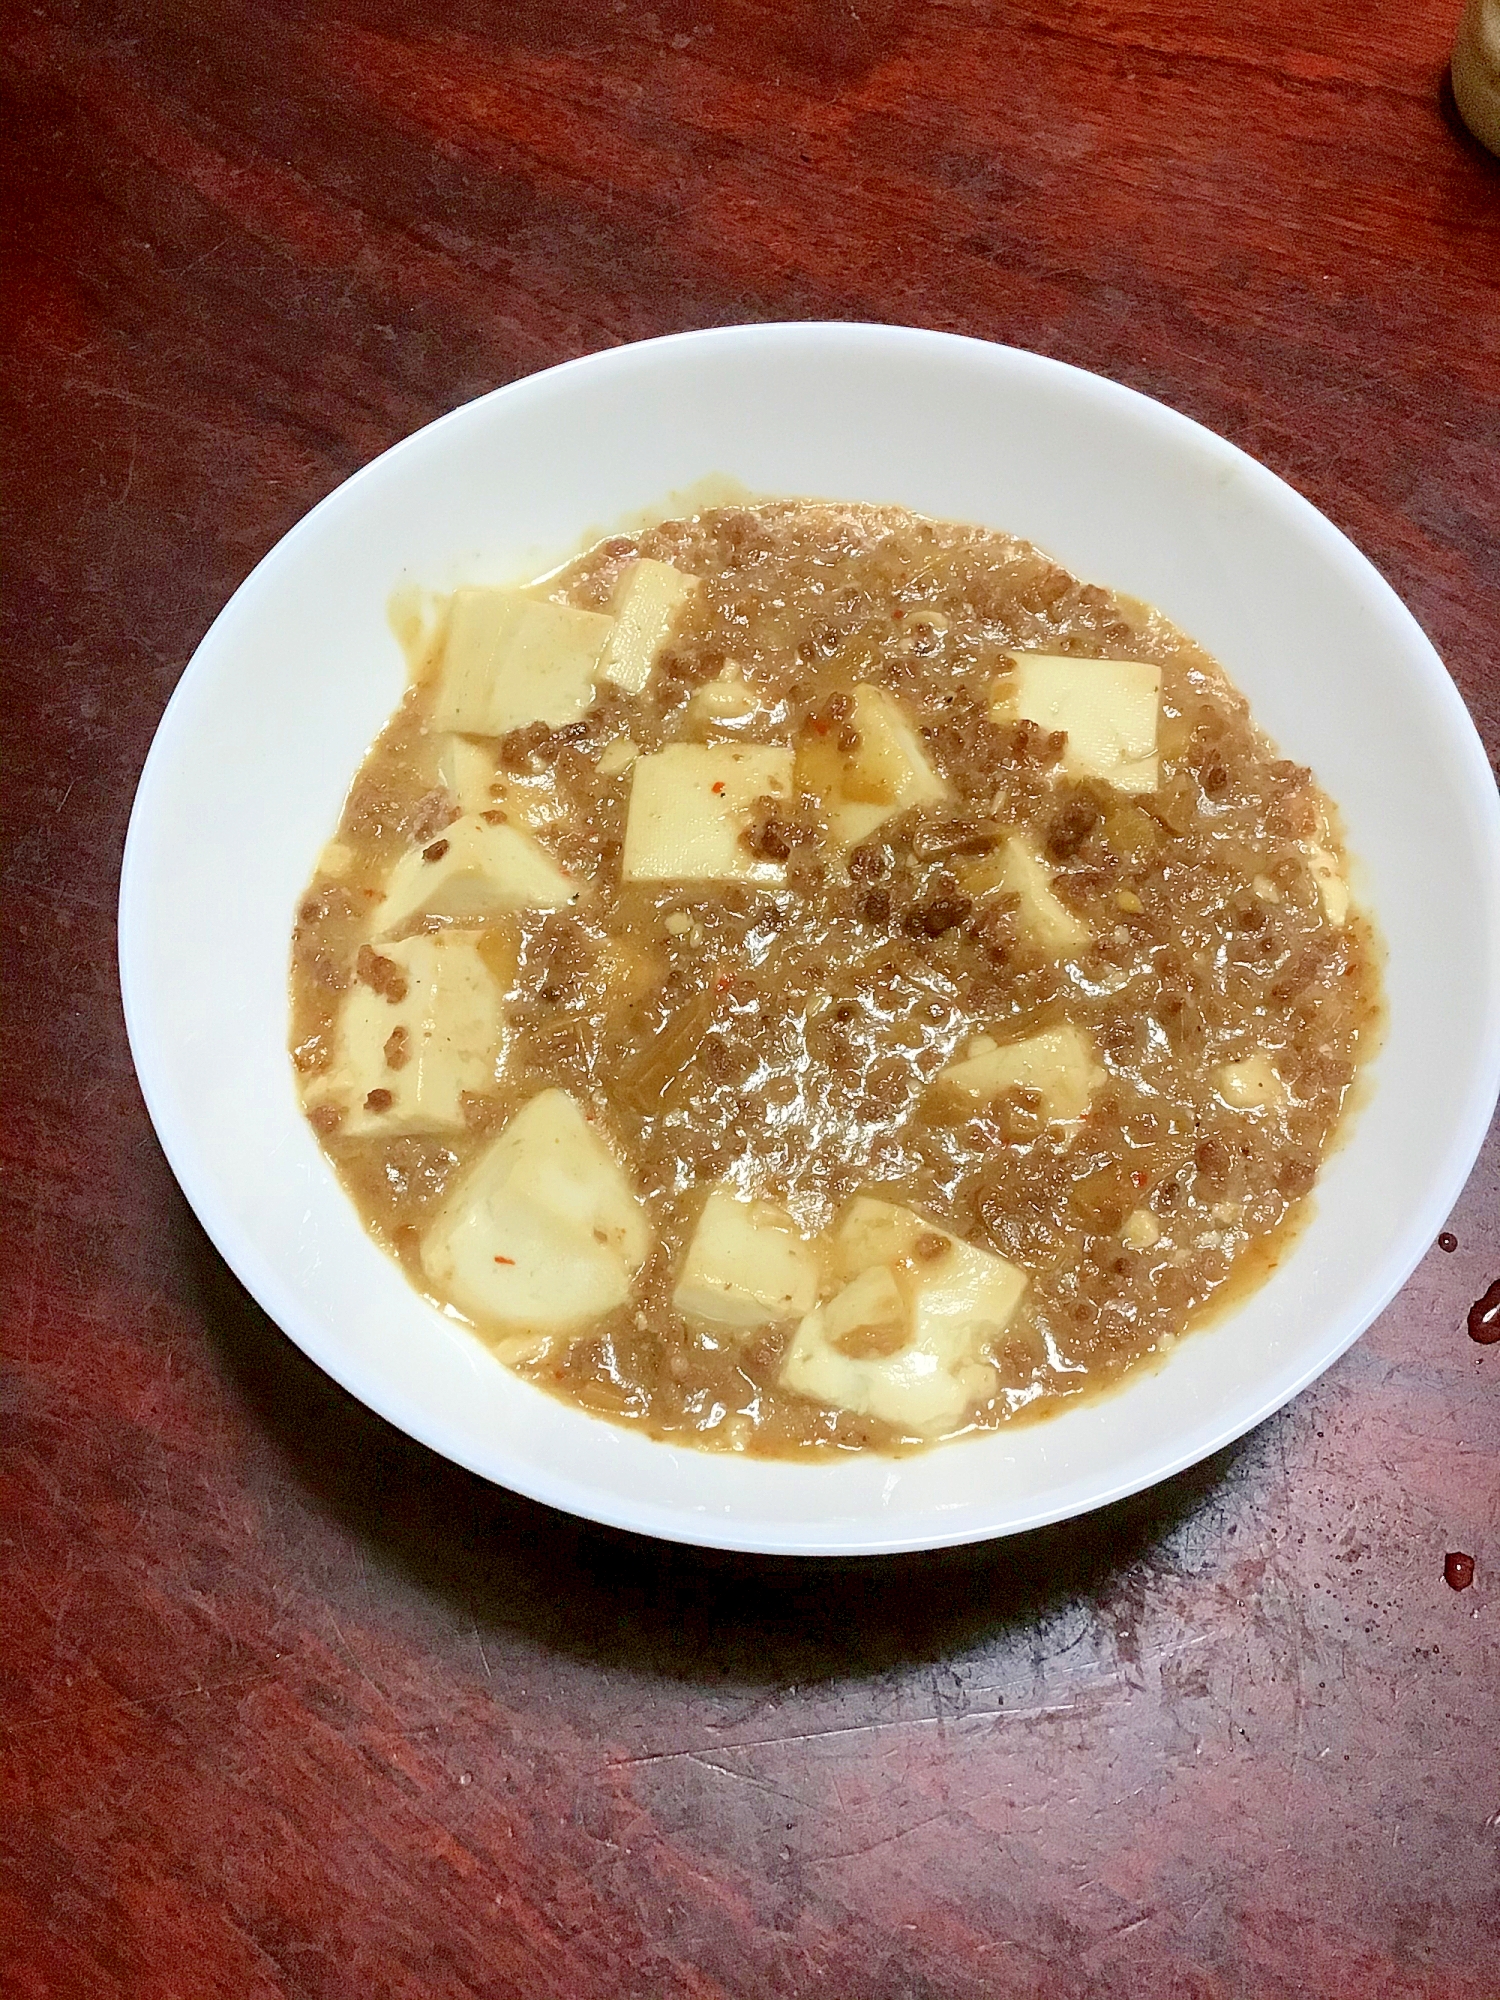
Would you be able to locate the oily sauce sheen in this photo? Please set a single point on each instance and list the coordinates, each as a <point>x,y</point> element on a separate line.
<point>783,1041</point>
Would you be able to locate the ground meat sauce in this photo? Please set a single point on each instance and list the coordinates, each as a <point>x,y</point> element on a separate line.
<point>784,1040</point>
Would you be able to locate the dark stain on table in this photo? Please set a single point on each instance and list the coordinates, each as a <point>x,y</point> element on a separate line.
<point>290,1707</point>
<point>1484,1316</point>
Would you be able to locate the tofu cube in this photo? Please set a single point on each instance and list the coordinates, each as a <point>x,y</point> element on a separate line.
<point>964,1298</point>
<point>1017,869</point>
<point>1249,1085</point>
<point>903,1340</point>
<point>510,660</point>
<point>415,1055</point>
<point>1059,1064</point>
<point>648,600</point>
<point>746,1266</point>
<point>473,871</point>
<point>917,1391</point>
<point>870,1318</point>
<point>1107,707</point>
<point>888,773</point>
<point>689,806</point>
<point>544,1234</point>
<point>466,772</point>
<point>872,1234</point>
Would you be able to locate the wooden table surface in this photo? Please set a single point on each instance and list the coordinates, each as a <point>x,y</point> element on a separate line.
<point>287,1705</point>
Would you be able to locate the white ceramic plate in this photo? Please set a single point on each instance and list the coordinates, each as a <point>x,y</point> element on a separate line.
<point>250,765</point>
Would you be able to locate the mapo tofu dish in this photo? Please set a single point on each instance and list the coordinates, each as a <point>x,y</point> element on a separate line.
<point>809,977</point>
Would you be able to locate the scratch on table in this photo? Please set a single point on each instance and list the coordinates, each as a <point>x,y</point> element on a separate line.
<point>123,495</point>
<point>779,1742</point>
<point>29,1289</point>
<point>942,1723</point>
<point>884,1840</point>
<point>143,1702</point>
<point>742,1777</point>
<point>205,426</point>
<point>1134,1925</point>
<point>372,1684</point>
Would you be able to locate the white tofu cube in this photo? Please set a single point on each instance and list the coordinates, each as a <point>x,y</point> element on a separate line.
<point>870,1318</point>
<point>544,1234</point>
<point>1249,1085</point>
<point>510,660</point>
<point>1019,870</point>
<point>888,773</point>
<point>648,600</point>
<point>917,1391</point>
<point>1107,707</point>
<point>904,1339</point>
<point>964,1297</point>
<point>402,1064</point>
<point>872,1233</point>
<point>472,871</point>
<point>746,1266</point>
<point>1059,1064</point>
<point>466,772</point>
<point>689,806</point>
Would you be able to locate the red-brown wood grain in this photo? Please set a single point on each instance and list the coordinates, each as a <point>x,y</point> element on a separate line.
<point>288,1707</point>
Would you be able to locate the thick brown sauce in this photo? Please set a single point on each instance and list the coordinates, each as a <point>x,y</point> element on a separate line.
<point>782,1040</point>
